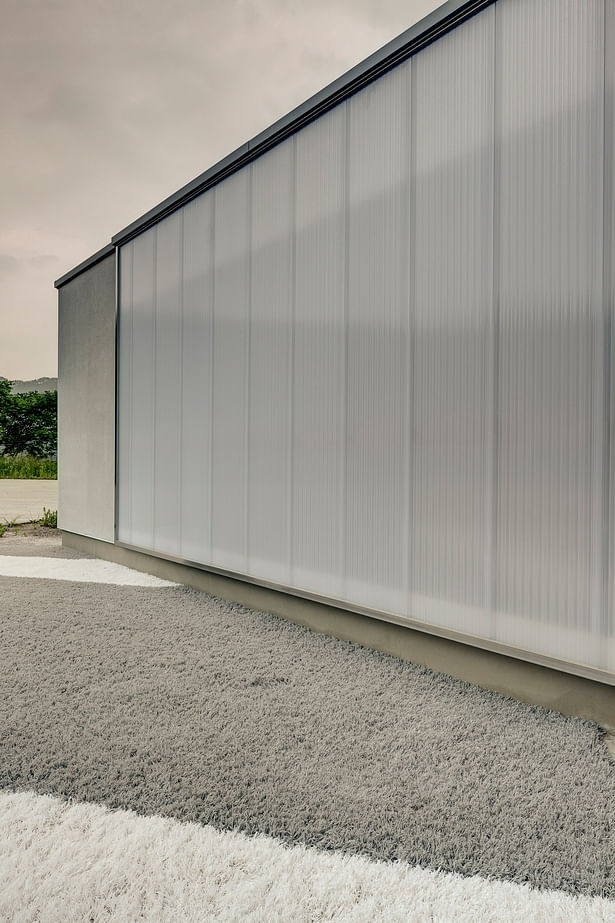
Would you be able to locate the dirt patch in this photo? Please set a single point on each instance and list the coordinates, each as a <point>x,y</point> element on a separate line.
<point>30,530</point>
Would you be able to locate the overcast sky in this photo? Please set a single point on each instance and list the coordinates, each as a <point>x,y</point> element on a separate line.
<point>107,108</point>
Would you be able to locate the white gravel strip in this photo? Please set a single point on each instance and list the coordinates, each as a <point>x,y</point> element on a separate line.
<point>61,861</point>
<point>78,570</point>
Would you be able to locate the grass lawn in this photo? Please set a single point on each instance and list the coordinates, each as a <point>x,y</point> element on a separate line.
<point>26,466</point>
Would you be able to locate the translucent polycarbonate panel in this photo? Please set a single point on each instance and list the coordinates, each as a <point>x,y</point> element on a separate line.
<point>230,375</point>
<point>376,364</point>
<point>452,310</point>
<point>124,422</point>
<point>167,390</point>
<point>319,356</point>
<point>550,133</point>
<point>608,615</point>
<point>270,388</point>
<point>377,340</point>
<point>197,378</point>
<point>136,520</point>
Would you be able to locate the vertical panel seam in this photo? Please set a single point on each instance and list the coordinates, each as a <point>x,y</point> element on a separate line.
<point>212,328</point>
<point>247,368</point>
<point>291,359</point>
<point>116,332</point>
<point>343,462</point>
<point>154,378</point>
<point>607,194</point>
<point>180,377</point>
<point>132,396</point>
<point>410,349</point>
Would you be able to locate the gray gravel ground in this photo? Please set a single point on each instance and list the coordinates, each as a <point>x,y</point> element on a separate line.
<point>168,701</point>
<point>35,547</point>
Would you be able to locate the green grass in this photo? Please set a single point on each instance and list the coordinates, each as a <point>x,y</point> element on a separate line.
<point>26,466</point>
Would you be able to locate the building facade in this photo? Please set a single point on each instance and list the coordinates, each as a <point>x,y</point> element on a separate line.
<point>366,360</point>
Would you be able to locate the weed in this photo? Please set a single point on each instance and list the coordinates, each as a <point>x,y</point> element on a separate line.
<point>49,518</point>
<point>7,524</point>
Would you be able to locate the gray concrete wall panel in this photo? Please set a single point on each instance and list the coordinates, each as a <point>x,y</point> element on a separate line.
<point>86,402</point>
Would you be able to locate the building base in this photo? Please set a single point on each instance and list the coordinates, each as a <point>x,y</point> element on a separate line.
<point>527,682</point>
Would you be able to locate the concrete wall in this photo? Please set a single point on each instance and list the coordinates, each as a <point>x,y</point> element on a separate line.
<point>86,402</point>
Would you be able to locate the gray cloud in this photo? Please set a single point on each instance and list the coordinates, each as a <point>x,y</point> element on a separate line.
<point>8,264</point>
<point>109,107</point>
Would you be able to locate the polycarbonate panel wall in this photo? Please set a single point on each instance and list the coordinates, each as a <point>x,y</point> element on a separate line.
<point>375,363</point>
<point>607,634</point>
<point>550,129</point>
<point>451,390</point>
<point>269,392</point>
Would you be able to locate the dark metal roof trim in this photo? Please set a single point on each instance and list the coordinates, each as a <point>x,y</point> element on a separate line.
<point>430,28</point>
<point>101,254</point>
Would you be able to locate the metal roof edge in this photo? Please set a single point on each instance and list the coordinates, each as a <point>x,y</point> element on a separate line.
<point>105,251</point>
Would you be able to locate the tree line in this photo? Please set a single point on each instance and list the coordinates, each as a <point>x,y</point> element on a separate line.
<point>28,422</point>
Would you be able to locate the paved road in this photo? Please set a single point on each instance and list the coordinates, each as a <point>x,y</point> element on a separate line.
<point>23,500</point>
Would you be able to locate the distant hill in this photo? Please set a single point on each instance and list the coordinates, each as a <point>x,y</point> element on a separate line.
<point>37,384</point>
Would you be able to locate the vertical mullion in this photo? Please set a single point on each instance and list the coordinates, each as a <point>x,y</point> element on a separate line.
<point>343,468</point>
<point>180,377</point>
<point>291,357</point>
<point>154,344</point>
<point>607,231</point>
<point>410,396</point>
<point>248,347</point>
<point>211,372</point>
<point>131,392</point>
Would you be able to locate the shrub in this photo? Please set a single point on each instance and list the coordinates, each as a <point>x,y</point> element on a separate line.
<point>28,422</point>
